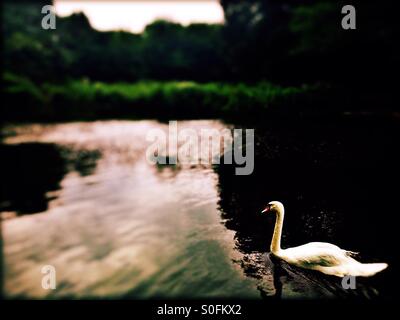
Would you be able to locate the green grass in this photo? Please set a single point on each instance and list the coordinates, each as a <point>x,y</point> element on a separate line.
<point>83,99</point>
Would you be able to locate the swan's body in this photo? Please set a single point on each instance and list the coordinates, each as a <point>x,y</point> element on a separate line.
<point>321,256</point>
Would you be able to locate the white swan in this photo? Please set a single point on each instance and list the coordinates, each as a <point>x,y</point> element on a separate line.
<point>321,256</point>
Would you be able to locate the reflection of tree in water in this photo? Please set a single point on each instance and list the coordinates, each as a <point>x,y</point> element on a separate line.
<point>81,160</point>
<point>327,178</point>
<point>30,170</point>
<point>166,171</point>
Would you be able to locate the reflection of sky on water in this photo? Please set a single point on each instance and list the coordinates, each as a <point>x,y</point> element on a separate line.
<point>118,226</point>
<point>125,229</point>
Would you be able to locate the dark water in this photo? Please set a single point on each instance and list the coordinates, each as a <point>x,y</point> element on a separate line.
<point>81,197</point>
<point>339,184</point>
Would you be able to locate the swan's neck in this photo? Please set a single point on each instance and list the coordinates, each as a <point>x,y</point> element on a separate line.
<point>276,238</point>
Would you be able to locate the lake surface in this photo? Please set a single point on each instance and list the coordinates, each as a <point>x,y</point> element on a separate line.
<point>83,198</point>
<point>116,225</point>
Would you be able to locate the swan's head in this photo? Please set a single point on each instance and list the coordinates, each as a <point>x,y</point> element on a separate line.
<point>273,206</point>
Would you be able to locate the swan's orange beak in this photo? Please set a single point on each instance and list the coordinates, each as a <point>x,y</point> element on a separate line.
<point>267,208</point>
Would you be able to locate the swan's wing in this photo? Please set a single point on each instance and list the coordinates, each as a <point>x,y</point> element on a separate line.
<point>324,260</point>
<point>326,245</point>
<point>316,254</point>
<point>322,245</point>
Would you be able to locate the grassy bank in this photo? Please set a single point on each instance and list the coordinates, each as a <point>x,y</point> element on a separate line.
<point>83,99</point>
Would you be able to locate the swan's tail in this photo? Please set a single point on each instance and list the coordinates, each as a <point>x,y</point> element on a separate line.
<point>368,269</point>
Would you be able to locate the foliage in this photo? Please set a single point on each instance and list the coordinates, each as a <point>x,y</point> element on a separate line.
<point>202,70</point>
<point>174,99</point>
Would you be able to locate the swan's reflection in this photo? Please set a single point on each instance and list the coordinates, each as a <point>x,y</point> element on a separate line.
<point>277,272</point>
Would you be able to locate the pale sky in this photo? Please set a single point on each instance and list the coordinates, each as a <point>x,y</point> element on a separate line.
<point>134,15</point>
